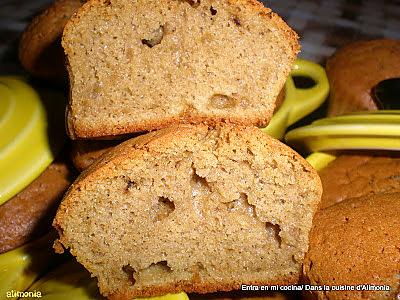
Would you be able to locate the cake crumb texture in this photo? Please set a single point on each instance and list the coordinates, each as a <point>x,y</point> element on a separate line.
<point>143,65</point>
<point>192,208</point>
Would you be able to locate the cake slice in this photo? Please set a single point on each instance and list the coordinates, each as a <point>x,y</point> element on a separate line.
<point>145,64</point>
<point>191,208</point>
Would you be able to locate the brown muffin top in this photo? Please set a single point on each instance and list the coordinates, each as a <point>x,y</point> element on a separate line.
<point>40,51</point>
<point>29,213</point>
<point>86,152</point>
<point>356,242</point>
<point>357,175</point>
<point>356,69</point>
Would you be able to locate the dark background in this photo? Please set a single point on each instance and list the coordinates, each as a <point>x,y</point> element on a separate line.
<point>322,25</point>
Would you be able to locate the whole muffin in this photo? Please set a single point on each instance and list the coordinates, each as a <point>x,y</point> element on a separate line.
<point>354,70</point>
<point>356,243</point>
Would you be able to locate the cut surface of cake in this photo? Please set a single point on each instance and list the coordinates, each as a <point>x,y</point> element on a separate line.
<point>192,208</point>
<point>143,65</point>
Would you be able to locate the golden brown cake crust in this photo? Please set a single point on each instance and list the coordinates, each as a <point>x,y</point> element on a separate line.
<point>29,214</point>
<point>40,50</point>
<point>356,242</point>
<point>188,116</point>
<point>82,162</point>
<point>82,133</point>
<point>247,295</point>
<point>350,176</point>
<point>201,288</point>
<point>154,144</point>
<point>150,143</point>
<point>354,70</point>
<point>256,6</point>
<point>280,99</point>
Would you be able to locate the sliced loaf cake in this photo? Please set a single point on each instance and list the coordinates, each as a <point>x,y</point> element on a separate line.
<point>191,208</point>
<point>145,64</point>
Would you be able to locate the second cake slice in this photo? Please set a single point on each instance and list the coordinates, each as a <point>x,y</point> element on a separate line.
<point>191,208</point>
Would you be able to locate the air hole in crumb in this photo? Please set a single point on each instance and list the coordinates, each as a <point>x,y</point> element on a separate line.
<point>242,204</point>
<point>200,266</point>
<point>213,11</point>
<point>200,189</point>
<point>200,185</point>
<point>155,38</point>
<point>274,164</point>
<point>107,2</point>
<point>161,266</point>
<point>221,101</point>
<point>192,3</point>
<point>196,269</point>
<point>129,185</point>
<point>237,22</point>
<point>275,230</point>
<point>163,208</point>
<point>294,259</point>
<point>130,272</point>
